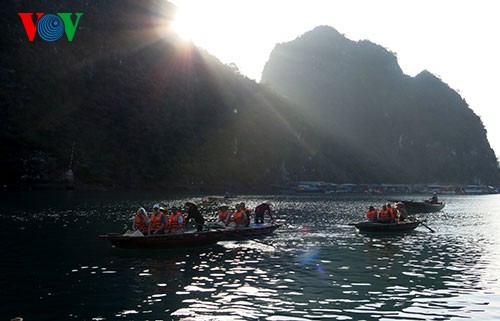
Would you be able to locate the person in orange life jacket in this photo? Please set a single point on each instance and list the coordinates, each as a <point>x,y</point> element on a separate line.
<point>384,216</point>
<point>141,221</point>
<point>158,221</point>
<point>247,213</point>
<point>372,214</point>
<point>392,212</point>
<point>224,215</point>
<point>262,209</point>
<point>239,217</point>
<point>176,221</point>
<point>194,213</point>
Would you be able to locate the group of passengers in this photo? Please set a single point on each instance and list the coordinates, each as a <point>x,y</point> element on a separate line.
<point>241,216</point>
<point>162,221</point>
<point>387,214</point>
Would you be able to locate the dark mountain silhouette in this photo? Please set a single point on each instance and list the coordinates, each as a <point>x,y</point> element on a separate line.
<point>374,122</point>
<point>141,107</point>
<point>127,104</point>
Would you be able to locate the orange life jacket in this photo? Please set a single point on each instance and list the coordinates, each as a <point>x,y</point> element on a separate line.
<point>371,214</point>
<point>240,217</point>
<point>156,221</point>
<point>384,215</point>
<point>224,215</point>
<point>176,220</point>
<point>141,223</point>
<point>392,212</point>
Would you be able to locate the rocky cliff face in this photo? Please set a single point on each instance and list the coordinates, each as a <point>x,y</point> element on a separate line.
<point>389,126</point>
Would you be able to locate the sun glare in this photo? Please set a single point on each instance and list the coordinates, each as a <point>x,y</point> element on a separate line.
<point>183,25</point>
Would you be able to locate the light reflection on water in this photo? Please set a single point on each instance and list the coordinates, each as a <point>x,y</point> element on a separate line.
<point>315,267</point>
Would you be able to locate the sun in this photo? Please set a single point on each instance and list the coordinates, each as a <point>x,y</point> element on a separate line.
<point>184,25</point>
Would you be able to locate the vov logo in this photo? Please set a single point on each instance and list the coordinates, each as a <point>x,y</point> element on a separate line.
<point>50,27</point>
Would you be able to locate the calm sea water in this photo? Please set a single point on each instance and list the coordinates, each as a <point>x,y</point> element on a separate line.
<point>316,267</point>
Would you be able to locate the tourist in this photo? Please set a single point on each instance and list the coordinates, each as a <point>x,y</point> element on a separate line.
<point>392,213</point>
<point>239,218</point>
<point>401,210</point>
<point>194,213</point>
<point>434,198</point>
<point>224,215</point>
<point>158,221</point>
<point>260,210</point>
<point>372,214</point>
<point>384,216</point>
<point>247,213</point>
<point>176,221</point>
<point>141,221</point>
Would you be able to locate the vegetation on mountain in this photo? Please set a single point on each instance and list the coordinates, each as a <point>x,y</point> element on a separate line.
<point>127,104</point>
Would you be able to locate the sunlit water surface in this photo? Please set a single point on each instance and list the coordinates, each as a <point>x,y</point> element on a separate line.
<point>315,267</point>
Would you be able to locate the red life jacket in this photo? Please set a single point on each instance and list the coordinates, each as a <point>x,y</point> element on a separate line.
<point>141,223</point>
<point>384,215</point>
<point>392,212</point>
<point>240,217</point>
<point>156,221</point>
<point>371,214</point>
<point>176,220</point>
<point>224,215</point>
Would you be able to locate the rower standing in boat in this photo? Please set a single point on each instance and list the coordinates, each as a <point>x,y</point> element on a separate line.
<point>194,213</point>
<point>434,199</point>
<point>141,221</point>
<point>262,209</point>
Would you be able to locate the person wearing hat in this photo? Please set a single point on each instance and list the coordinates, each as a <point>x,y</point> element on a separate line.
<point>158,220</point>
<point>372,214</point>
<point>194,213</point>
<point>400,208</point>
<point>224,215</point>
<point>260,210</point>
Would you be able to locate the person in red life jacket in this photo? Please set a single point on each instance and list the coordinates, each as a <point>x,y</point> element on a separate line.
<point>372,214</point>
<point>224,215</point>
<point>392,212</point>
<point>194,213</point>
<point>141,221</point>
<point>239,218</point>
<point>260,210</point>
<point>176,221</point>
<point>158,221</point>
<point>248,213</point>
<point>384,216</point>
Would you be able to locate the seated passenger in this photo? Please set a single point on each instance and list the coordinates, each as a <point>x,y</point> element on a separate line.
<point>176,221</point>
<point>372,215</point>
<point>158,221</point>
<point>401,210</point>
<point>384,216</point>
<point>224,215</point>
<point>392,212</point>
<point>141,221</point>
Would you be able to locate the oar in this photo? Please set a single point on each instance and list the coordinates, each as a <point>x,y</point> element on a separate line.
<point>428,227</point>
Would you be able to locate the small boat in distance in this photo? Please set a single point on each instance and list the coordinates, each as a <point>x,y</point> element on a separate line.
<point>415,207</point>
<point>366,226</point>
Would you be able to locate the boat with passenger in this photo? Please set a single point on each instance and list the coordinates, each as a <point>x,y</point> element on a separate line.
<point>415,207</point>
<point>137,240</point>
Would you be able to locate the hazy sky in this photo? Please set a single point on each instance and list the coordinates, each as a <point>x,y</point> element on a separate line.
<point>456,40</point>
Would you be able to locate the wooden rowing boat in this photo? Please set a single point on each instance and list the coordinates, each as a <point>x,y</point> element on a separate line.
<point>163,241</point>
<point>415,207</point>
<point>188,239</point>
<point>252,231</point>
<point>366,226</point>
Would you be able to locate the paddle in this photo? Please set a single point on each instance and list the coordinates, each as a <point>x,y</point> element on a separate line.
<point>428,227</point>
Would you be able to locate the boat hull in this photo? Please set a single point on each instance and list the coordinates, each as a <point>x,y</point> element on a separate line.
<point>163,241</point>
<point>422,207</point>
<point>386,227</point>
<point>253,231</point>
